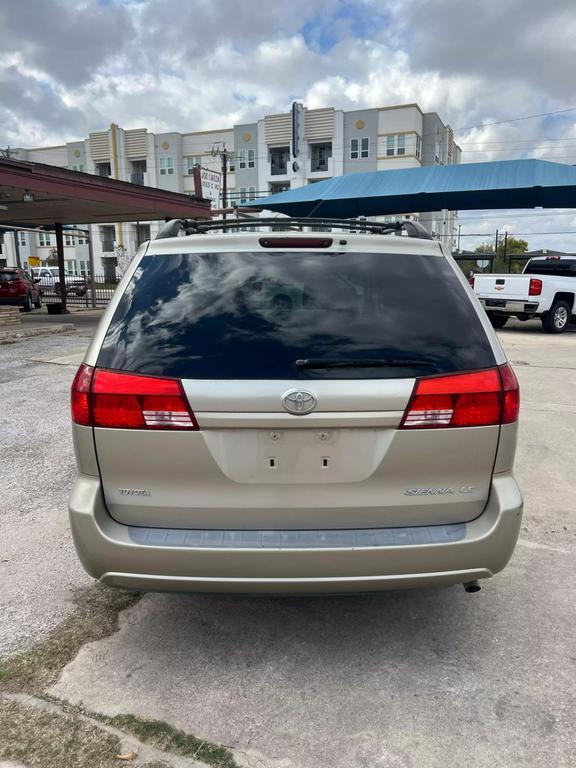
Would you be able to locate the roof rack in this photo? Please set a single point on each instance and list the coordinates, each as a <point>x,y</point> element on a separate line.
<point>173,227</point>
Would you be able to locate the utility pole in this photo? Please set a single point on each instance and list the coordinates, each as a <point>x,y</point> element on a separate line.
<point>224,158</point>
<point>91,262</point>
<point>506,251</point>
<point>17,250</point>
<point>495,252</point>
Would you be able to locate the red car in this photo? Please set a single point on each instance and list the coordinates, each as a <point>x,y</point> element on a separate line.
<point>19,289</point>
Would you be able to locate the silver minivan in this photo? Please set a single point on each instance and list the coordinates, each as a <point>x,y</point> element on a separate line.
<point>295,411</point>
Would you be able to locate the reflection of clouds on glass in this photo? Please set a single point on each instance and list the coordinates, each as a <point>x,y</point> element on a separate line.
<point>231,313</point>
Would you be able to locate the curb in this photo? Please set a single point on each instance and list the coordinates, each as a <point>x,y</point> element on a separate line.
<point>12,337</point>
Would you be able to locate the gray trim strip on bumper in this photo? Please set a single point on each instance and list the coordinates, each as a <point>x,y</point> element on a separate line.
<point>301,539</point>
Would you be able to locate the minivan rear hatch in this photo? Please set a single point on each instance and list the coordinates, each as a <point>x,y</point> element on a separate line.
<point>298,367</point>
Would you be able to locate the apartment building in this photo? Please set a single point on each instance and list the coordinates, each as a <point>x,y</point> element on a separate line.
<point>276,153</point>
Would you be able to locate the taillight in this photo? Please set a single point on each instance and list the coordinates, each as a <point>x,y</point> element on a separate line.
<point>510,394</point>
<point>478,399</point>
<point>81,410</point>
<point>535,287</point>
<point>129,401</point>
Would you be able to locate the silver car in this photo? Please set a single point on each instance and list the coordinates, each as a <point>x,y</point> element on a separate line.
<point>295,411</point>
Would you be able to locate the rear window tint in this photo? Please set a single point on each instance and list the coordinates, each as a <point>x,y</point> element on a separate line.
<point>559,267</point>
<point>252,315</point>
<point>9,276</point>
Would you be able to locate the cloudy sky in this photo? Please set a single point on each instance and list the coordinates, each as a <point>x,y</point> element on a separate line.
<point>68,67</point>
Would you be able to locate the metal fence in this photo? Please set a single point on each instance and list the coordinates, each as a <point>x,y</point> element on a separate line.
<point>80,291</point>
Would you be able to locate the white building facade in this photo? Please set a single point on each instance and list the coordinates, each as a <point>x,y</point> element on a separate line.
<point>276,153</point>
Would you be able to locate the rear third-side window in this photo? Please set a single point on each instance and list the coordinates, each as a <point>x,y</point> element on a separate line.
<point>259,315</point>
<point>558,267</point>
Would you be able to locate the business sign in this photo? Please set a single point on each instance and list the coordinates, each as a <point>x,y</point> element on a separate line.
<point>294,117</point>
<point>33,261</point>
<point>207,185</point>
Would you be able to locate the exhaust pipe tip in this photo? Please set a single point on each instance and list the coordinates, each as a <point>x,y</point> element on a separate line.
<point>472,586</point>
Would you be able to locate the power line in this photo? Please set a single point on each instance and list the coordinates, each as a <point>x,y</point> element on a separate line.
<point>517,119</point>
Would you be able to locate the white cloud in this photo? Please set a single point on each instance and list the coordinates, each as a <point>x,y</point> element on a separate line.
<point>74,66</point>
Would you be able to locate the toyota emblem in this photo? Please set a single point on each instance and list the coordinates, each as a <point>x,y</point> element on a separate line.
<point>299,401</point>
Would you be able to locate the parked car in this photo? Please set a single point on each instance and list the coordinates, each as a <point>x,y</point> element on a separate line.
<point>49,279</point>
<point>545,289</point>
<point>19,289</point>
<point>357,434</point>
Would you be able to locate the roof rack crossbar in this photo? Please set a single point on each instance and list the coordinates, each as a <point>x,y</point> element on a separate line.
<point>196,227</point>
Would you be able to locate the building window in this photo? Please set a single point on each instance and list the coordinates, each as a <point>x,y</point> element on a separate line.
<point>418,147</point>
<point>68,240</point>
<point>22,238</point>
<point>142,234</point>
<point>319,155</point>
<point>166,166</point>
<point>359,148</point>
<point>44,239</point>
<point>278,186</point>
<point>193,161</point>
<point>251,158</point>
<point>231,163</point>
<point>247,193</point>
<point>137,170</point>
<point>241,155</point>
<point>396,145</point>
<point>107,238</point>
<point>103,169</point>
<point>279,160</point>
<point>79,167</point>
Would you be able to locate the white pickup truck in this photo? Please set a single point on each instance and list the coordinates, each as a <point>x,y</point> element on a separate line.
<point>545,289</point>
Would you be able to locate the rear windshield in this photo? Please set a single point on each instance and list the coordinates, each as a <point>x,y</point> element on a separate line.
<point>9,276</point>
<point>254,315</point>
<point>560,267</point>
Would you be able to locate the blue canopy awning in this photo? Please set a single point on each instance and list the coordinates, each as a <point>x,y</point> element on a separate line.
<point>467,186</point>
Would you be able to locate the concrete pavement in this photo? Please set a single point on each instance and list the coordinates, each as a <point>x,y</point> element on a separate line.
<point>431,678</point>
<point>38,564</point>
<point>398,680</point>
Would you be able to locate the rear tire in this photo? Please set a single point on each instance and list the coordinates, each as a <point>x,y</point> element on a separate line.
<point>498,321</point>
<point>27,303</point>
<point>557,319</point>
<point>38,302</point>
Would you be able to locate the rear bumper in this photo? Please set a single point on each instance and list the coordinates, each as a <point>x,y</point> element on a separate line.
<point>113,554</point>
<point>510,307</point>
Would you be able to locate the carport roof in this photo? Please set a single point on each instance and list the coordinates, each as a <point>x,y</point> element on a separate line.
<point>467,186</point>
<point>71,197</point>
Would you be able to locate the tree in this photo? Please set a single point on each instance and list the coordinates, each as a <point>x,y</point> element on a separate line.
<point>506,247</point>
<point>514,247</point>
